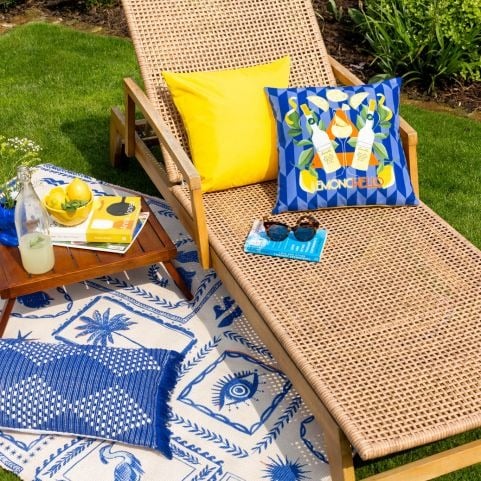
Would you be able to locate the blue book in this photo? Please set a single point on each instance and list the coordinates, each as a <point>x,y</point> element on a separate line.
<point>257,242</point>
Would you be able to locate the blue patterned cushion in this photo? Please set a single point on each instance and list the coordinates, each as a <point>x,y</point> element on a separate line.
<point>95,391</point>
<point>340,146</point>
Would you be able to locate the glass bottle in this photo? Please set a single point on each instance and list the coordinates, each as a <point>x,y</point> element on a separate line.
<point>322,143</point>
<point>32,226</point>
<point>365,140</point>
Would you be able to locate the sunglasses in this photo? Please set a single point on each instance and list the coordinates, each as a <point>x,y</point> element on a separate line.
<point>304,230</point>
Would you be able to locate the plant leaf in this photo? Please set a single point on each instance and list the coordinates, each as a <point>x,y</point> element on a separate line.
<point>294,132</point>
<point>360,122</point>
<point>380,150</point>
<point>303,142</point>
<point>305,158</point>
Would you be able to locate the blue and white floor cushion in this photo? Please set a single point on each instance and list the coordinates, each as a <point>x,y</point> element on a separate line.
<point>231,401</point>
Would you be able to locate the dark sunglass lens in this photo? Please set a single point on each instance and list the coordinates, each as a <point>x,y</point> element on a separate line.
<point>277,232</point>
<point>304,233</point>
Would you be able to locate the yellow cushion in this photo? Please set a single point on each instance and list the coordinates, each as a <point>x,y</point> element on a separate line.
<point>229,123</point>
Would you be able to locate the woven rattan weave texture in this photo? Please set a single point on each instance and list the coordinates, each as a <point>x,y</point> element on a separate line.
<point>386,328</point>
<point>223,35</point>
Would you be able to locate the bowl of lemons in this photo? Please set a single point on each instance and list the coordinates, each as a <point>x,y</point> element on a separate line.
<point>69,205</point>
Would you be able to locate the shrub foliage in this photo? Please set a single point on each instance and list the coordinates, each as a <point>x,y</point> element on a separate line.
<point>5,4</point>
<point>425,40</point>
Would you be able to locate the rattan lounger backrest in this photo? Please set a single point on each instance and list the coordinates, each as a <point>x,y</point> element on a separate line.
<point>194,35</point>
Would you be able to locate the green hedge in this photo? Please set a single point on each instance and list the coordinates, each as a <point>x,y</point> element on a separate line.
<point>426,40</point>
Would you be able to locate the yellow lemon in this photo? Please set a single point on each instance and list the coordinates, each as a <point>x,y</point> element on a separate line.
<point>387,112</point>
<point>320,102</point>
<point>336,95</point>
<point>386,176</point>
<point>292,101</point>
<point>308,181</point>
<point>340,128</point>
<point>358,99</point>
<point>56,198</point>
<point>78,190</point>
<point>56,190</point>
<point>292,117</point>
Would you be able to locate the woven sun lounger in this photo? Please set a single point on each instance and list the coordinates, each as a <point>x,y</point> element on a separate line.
<point>381,338</point>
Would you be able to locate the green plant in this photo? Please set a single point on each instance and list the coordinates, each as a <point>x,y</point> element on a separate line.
<point>13,153</point>
<point>336,11</point>
<point>417,41</point>
<point>5,4</point>
<point>100,3</point>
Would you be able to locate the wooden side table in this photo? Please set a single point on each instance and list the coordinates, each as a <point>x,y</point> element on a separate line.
<point>152,245</point>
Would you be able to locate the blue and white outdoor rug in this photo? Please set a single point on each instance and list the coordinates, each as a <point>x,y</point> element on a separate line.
<point>235,415</point>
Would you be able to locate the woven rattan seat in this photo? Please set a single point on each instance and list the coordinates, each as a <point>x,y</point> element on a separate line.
<point>384,328</point>
<point>381,337</point>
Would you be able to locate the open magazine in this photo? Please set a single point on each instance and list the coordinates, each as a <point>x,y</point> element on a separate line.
<point>106,246</point>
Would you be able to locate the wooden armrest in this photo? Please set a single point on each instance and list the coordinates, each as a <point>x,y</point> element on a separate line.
<point>135,97</point>
<point>409,136</point>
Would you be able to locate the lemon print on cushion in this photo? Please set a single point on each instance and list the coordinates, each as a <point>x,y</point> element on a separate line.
<point>308,180</point>
<point>341,127</point>
<point>385,112</point>
<point>386,176</point>
<point>292,117</point>
<point>229,123</point>
<point>336,95</point>
<point>357,99</point>
<point>318,101</point>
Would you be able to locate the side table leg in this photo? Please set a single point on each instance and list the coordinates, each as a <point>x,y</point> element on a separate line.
<point>179,282</point>
<point>7,309</point>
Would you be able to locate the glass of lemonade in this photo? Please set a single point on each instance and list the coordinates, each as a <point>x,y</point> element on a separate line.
<point>32,226</point>
<point>36,252</point>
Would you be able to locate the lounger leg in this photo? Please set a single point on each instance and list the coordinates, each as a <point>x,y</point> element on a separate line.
<point>339,453</point>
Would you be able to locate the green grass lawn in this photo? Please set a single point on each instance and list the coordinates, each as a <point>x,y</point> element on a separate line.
<point>449,153</point>
<point>58,85</point>
<point>57,88</point>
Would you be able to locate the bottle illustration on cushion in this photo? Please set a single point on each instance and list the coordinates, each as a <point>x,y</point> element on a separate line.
<point>365,140</point>
<point>322,143</point>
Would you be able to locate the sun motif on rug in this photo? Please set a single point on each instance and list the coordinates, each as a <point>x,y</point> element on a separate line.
<point>285,470</point>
